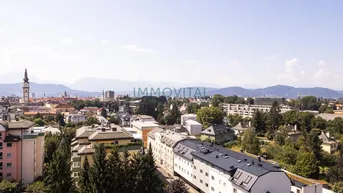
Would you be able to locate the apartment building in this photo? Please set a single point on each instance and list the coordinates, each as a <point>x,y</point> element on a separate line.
<point>245,110</point>
<point>143,128</point>
<point>218,133</point>
<point>88,136</point>
<point>75,118</point>
<point>211,168</point>
<point>189,122</point>
<point>162,144</point>
<point>21,151</point>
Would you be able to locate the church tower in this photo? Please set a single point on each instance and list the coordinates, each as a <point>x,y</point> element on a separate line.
<point>26,88</point>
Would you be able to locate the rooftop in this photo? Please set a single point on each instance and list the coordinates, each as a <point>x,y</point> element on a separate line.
<point>328,116</point>
<point>144,124</point>
<point>217,130</point>
<point>23,124</point>
<point>109,135</point>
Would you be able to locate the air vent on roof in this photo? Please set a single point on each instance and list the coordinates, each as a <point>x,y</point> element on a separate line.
<point>217,156</point>
<point>226,154</point>
<point>239,161</point>
<point>226,157</point>
<point>221,154</point>
<point>277,167</point>
<point>248,164</point>
<point>245,160</point>
<point>260,165</point>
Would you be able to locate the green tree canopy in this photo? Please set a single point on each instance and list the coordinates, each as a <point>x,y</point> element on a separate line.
<point>307,165</point>
<point>176,186</point>
<point>259,122</point>
<point>208,116</point>
<point>37,187</point>
<point>250,142</point>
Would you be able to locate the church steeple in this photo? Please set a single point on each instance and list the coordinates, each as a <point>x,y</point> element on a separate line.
<point>26,78</point>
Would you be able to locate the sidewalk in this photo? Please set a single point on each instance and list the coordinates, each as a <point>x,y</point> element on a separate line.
<point>167,179</point>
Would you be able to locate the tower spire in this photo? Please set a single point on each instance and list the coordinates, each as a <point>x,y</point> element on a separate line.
<point>26,78</point>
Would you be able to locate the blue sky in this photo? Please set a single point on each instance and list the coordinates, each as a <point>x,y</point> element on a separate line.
<point>227,43</point>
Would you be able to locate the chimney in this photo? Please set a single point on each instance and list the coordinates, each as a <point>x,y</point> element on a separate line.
<point>249,124</point>
<point>295,128</point>
<point>259,159</point>
<point>328,134</point>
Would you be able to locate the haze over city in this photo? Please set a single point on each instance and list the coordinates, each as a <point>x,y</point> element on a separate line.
<point>225,43</point>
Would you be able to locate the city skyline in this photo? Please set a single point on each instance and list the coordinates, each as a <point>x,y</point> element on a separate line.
<point>225,43</point>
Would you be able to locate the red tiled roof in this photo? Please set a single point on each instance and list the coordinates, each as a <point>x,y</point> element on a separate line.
<point>64,106</point>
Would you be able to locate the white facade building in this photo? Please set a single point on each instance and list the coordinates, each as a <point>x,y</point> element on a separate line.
<point>186,117</point>
<point>212,168</point>
<point>75,118</point>
<point>193,127</point>
<point>162,144</point>
<point>248,110</point>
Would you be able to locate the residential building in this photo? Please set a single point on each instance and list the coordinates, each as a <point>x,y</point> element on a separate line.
<point>245,110</point>
<point>88,136</point>
<point>63,108</point>
<point>75,118</point>
<point>4,111</point>
<point>143,128</point>
<point>26,88</point>
<point>109,94</point>
<point>304,185</point>
<point>212,168</point>
<point>102,120</point>
<point>162,144</point>
<point>241,127</point>
<point>218,134</point>
<point>193,127</point>
<point>293,132</point>
<point>21,151</point>
<point>125,119</point>
<point>142,118</point>
<point>186,117</point>
<point>52,130</point>
<point>329,144</point>
<point>269,101</point>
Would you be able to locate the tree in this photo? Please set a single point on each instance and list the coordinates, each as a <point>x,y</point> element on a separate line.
<point>115,172</point>
<point>99,172</point>
<point>290,117</point>
<point>216,100</point>
<point>9,187</point>
<point>129,171</point>
<point>208,116</point>
<point>307,165</point>
<point>338,187</point>
<point>250,142</point>
<point>58,173</point>
<point>91,121</point>
<point>309,103</point>
<point>335,174</point>
<point>234,119</point>
<point>281,136</point>
<point>147,179</point>
<point>39,122</point>
<point>305,120</point>
<point>104,112</point>
<point>274,119</point>
<point>192,108</point>
<point>259,122</point>
<point>50,145</point>
<point>176,186</point>
<point>85,183</point>
<point>38,116</point>
<point>318,122</point>
<point>60,119</point>
<point>336,125</point>
<point>37,187</point>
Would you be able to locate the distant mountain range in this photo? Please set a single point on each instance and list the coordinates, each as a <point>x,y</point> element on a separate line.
<point>272,91</point>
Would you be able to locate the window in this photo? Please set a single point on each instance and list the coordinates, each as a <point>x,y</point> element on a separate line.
<point>212,189</point>
<point>206,174</point>
<point>220,182</point>
<point>224,184</point>
<point>9,175</point>
<point>194,177</point>
<point>212,177</point>
<point>0,145</point>
<point>76,174</point>
<point>9,155</point>
<point>9,144</point>
<point>200,181</point>
<point>116,142</point>
<point>200,171</point>
<point>76,164</point>
<point>206,184</point>
<point>234,190</point>
<point>0,165</point>
<point>0,135</point>
<point>0,155</point>
<point>298,191</point>
<point>9,165</point>
<point>195,167</point>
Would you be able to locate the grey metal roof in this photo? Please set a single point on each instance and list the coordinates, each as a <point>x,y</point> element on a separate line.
<point>225,159</point>
<point>217,130</point>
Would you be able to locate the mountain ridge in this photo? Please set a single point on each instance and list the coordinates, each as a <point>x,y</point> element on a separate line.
<point>285,91</point>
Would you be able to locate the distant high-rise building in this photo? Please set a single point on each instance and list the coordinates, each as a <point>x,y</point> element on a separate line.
<point>26,88</point>
<point>109,94</point>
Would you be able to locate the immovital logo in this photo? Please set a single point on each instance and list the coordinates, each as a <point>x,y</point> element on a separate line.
<point>169,92</point>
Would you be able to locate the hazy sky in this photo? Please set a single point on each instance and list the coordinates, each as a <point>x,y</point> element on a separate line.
<point>256,42</point>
